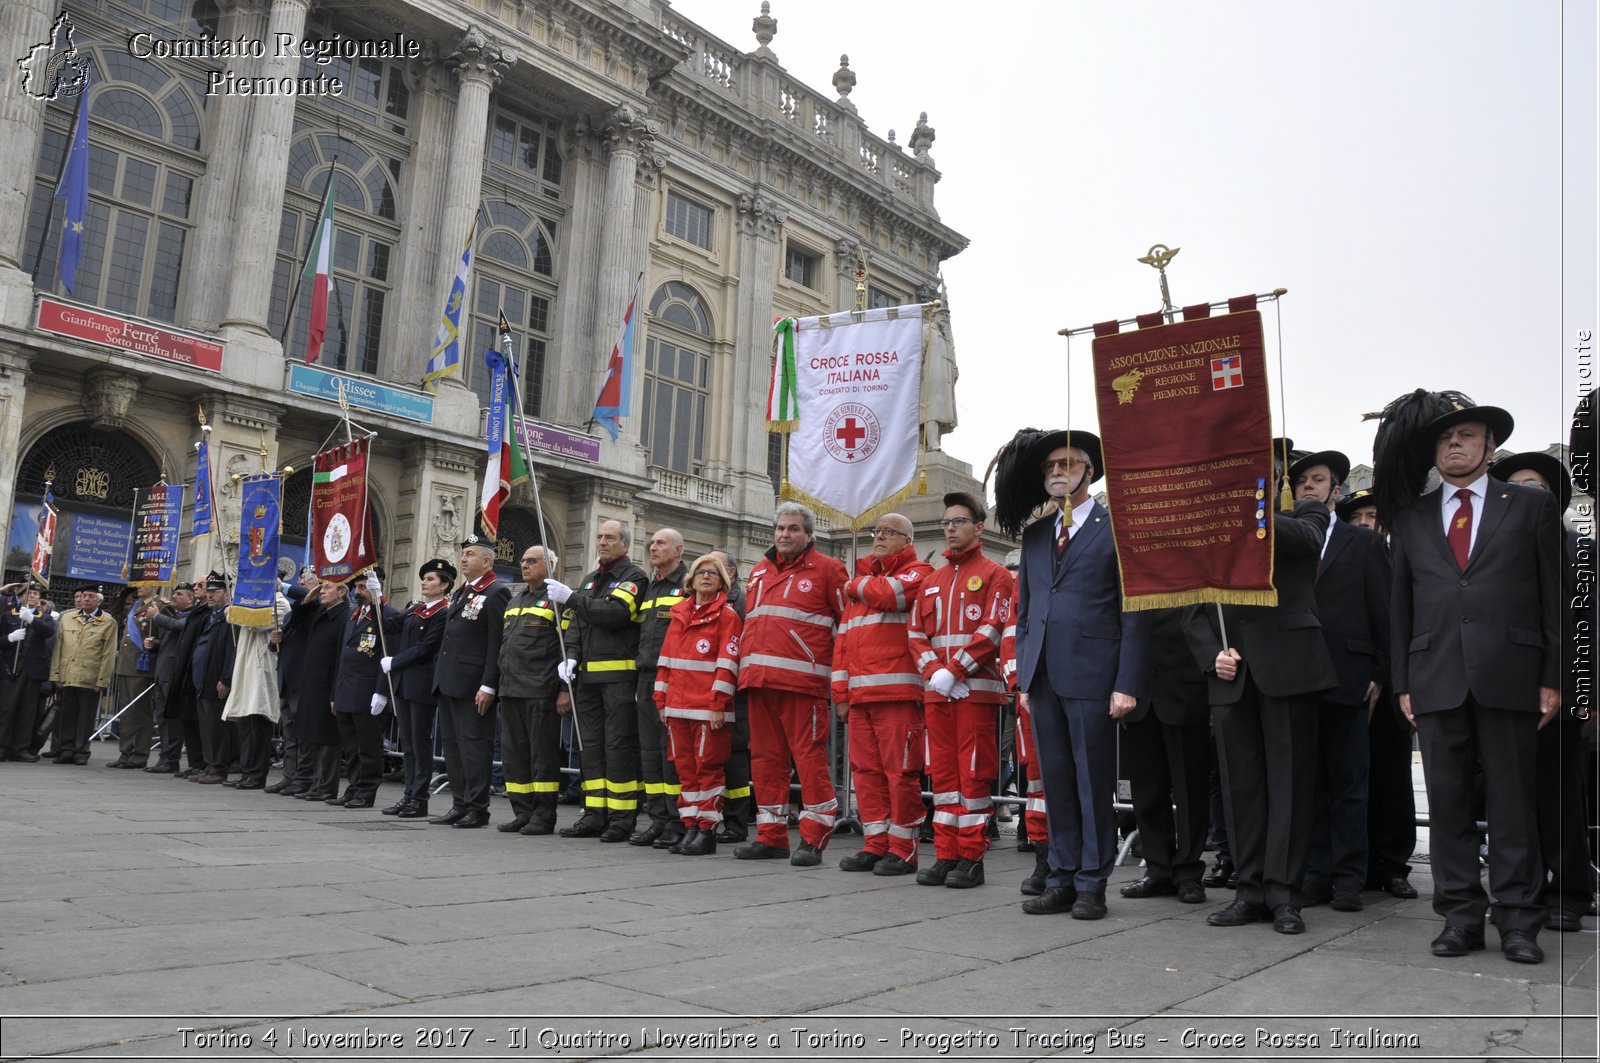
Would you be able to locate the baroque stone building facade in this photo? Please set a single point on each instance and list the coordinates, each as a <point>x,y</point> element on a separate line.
<point>596,142</point>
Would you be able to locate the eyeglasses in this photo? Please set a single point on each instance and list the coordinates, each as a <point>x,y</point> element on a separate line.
<point>1070,463</point>
<point>884,533</point>
<point>956,522</point>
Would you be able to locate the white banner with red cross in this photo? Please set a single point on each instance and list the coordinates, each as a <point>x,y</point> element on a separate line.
<point>852,385</point>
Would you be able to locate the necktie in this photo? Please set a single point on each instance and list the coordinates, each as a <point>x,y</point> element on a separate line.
<point>1062,540</point>
<point>1460,534</point>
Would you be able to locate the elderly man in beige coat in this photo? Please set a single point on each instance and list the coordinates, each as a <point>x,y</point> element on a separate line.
<point>80,670</point>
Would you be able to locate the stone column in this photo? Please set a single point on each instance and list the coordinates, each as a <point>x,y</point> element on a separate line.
<point>627,133</point>
<point>213,245</point>
<point>14,364</point>
<point>479,62</point>
<point>761,221</point>
<point>573,314</point>
<point>24,23</point>
<point>258,207</point>
<point>414,320</point>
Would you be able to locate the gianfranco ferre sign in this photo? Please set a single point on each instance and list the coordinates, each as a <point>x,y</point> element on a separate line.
<point>129,334</point>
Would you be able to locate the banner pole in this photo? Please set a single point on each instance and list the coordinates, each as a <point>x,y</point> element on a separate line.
<point>1276,293</point>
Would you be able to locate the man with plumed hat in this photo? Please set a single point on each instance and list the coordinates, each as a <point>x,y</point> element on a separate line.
<point>1477,654</point>
<point>361,690</point>
<point>1080,659</point>
<point>1569,885</point>
<point>466,681</point>
<point>80,668</point>
<point>411,670</point>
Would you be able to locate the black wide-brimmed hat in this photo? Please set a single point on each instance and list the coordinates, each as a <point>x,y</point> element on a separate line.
<point>1338,465</point>
<point>1087,442</point>
<point>1549,468</point>
<point>1403,448</point>
<point>439,565</point>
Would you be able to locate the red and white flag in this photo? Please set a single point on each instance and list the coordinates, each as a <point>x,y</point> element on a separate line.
<point>341,528</point>
<point>319,270</point>
<point>1226,373</point>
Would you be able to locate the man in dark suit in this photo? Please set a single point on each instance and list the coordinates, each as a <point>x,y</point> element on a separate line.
<point>289,642</point>
<point>28,626</point>
<point>411,668</point>
<point>361,691</point>
<point>1569,885</point>
<point>1477,667</point>
<point>1081,667</point>
<point>316,727</point>
<point>466,680</point>
<point>1167,753</point>
<point>1352,591</point>
<point>1264,681</point>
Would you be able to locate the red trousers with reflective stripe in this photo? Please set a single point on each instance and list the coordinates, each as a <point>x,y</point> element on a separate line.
<point>785,726</point>
<point>1033,817</point>
<point>886,764</point>
<point>699,755</point>
<point>963,762</point>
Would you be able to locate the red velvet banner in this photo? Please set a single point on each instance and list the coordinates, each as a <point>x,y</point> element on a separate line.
<point>341,535</point>
<point>1187,435</point>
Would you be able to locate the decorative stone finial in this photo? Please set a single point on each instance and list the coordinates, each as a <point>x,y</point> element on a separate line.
<point>922,136</point>
<point>891,136</point>
<point>844,79</point>
<point>765,27</point>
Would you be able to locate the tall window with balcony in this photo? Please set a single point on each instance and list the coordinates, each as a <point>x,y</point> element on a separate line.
<point>144,162</point>
<point>515,267</point>
<point>677,378</point>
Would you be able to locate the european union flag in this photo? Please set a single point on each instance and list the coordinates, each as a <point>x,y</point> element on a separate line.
<point>74,188</point>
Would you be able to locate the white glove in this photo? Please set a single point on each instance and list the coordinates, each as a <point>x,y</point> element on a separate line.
<point>386,664</point>
<point>374,588</point>
<point>959,691</point>
<point>25,614</point>
<point>17,635</point>
<point>566,670</point>
<point>943,681</point>
<point>557,591</point>
<point>379,703</point>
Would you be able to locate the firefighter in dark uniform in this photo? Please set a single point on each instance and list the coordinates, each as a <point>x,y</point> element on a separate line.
<point>466,680</point>
<point>361,691</point>
<point>532,701</point>
<point>411,669</point>
<point>604,652</point>
<point>669,577</point>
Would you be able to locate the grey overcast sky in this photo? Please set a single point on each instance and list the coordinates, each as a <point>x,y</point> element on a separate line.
<point>1397,165</point>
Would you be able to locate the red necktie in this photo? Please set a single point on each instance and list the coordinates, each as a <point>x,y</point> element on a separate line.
<point>1460,534</point>
<point>1062,541</point>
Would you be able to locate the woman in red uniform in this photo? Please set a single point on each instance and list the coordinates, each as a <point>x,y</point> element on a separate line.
<point>696,676</point>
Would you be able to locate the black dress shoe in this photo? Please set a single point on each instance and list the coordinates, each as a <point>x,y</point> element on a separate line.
<point>396,808</point>
<point>1220,873</point>
<point>154,769</point>
<point>729,836</point>
<point>118,763</point>
<point>415,810</point>
<point>1457,941</point>
<point>1239,913</point>
<point>33,758</point>
<point>1401,887</point>
<point>1089,905</point>
<point>450,818</point>
<point>359,802</point>
<point>187,773</point>
<point>134,765</point>
<point>310,795</point>
<point>64,758</point>
<point>232,784</point>
<point>512,826</point>
<point>614,833</point>
<point>1520,946</point>
<point>760,851</point>
<point>704,843</point>
<point>534,828</point>
<point>1191,892</point>
<point>294,791</point>
<point>646,837</point>
<point>582,829</point>
<point>1286,920</point>
<point>683,842</point>
<point>471,820</point>
<point>670,839</point>
<point>1054,900</point>
<point>1566,920</point>
<point>1347,900</point>
<point>1148,887</point>
<point>254,784</point>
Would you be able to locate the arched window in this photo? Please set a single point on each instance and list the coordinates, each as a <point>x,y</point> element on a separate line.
<point>144,160</point>
<point>365,232</point>
<point>515,271</point>
<point>677,378</point>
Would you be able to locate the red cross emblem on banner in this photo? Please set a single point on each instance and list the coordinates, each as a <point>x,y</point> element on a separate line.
<point>1226,373</point>
<point>850,432</point>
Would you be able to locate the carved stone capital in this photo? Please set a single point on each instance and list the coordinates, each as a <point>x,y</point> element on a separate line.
<point>428,73</point>
<point>108,396</point>
<point>761,216</point>
<point>628,129</point>
<point>480,57</point>
<point>652,160</point>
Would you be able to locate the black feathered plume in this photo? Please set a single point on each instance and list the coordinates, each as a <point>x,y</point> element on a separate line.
<point>1400,461</point>
<point>1018,489</point>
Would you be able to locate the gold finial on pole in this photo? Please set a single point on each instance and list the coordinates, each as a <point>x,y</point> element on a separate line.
<point>1157,257</point>
<point>261,433</point>
<point>200,412</point>
<point>861,283</point>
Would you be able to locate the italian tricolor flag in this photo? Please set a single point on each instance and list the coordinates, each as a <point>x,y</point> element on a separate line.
<point>505,467</point>
<point>319,271</point>
<point>331,476</point>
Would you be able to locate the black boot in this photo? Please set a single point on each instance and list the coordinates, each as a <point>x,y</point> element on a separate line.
<point>690,836</point>
<point>702,843</point>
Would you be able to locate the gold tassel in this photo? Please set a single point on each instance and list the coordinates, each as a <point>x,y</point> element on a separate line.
<point>922,481</point>
<point>1286,497</point>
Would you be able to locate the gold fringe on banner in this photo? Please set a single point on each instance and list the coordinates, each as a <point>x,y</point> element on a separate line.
<point>852,523</point>
<point>251,616</point>
<point>1199,596</point>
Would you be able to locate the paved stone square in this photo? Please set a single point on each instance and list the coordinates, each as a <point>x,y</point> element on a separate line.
<point>134,905</point>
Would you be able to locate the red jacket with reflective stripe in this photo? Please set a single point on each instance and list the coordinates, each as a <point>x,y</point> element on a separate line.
<point>698,667</point>
<point>957,623</point>
<point>872,661</point>
<point>791,609</point>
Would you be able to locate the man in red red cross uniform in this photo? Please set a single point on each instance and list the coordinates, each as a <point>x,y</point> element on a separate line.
<point>955,632</point>
<point>793,601</point>
<point>877,688</point>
